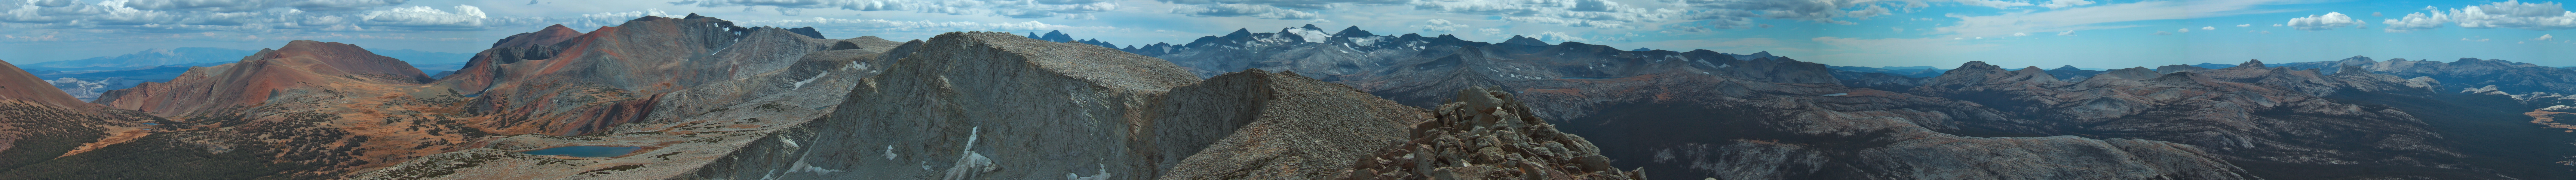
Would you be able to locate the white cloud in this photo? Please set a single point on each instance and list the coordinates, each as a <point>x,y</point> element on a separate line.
<point>880,25</point>
<point>2208,28</point>
<point>2416,21</point>
<point>1069,9</point>
<point>2160,33</point>
<point>1557,36</point>
<point>1241,10</point>
<point>2067,33</point>
<point>1993,3</point>
<point>2245,25</point>
<point>2106,16</point>
<point>612,18</point>
<point>2020,34</point>
<point>1490,31</point>
<point>255,5</point>
<point>465,17</point>
<point>2276,25</point>
<point>2184,30</point>
<point>2543,37</point>
<point>2515,14</point>
<point>1574,13</point>
<point>2054,4</point>
<point>2328,21</point>
<point>1439,25</point>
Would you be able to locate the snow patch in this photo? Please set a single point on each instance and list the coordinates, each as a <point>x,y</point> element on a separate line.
<point>890,153</point>
<point>972,163</point>
<point>1310,35</point>
<point>801,84</point>
<point>1104,174</point>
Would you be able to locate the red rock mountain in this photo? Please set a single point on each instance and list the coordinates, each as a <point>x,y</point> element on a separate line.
<point>268,73</point>
<point>17,84</point>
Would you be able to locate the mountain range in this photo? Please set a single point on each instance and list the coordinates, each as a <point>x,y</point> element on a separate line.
<point>698,97</point>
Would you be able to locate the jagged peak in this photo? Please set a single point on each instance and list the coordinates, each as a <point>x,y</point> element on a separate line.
<point>1353,31</point>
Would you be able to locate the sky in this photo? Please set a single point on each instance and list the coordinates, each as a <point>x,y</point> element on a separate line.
<point>1939,33</point>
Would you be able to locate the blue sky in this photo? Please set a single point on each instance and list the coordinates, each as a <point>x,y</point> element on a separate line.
<point>1940,33</point>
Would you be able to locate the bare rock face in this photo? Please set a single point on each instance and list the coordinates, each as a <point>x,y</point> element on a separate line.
<point>1485,134</point>
<point>1283,126</point>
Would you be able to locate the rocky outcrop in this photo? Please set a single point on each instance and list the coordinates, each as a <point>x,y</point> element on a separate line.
<point>1284,126</point>
<point>1485,134</point>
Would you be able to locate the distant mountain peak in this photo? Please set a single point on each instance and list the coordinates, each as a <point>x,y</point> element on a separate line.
<point>1312,26</point>
<point>1523,40</point>
<point>1353,31</point>
<point>2068,68</point>
<point>2255,63</point>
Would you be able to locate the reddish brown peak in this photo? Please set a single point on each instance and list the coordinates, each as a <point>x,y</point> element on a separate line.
<point>550,35</point>
<point>17,84</point>
<point>558,28</point>
<point>344,58</point>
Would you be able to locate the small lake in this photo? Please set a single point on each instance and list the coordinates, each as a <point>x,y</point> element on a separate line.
<point>586,151</point>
